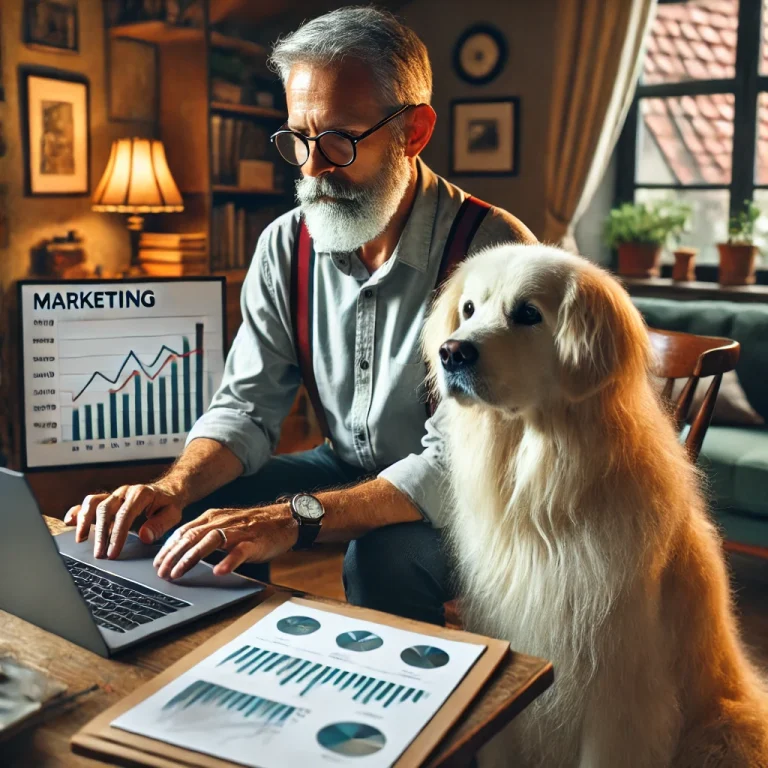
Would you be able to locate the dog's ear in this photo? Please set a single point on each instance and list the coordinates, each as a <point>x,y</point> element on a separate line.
<point>443,318</point>
<point>591,334</point>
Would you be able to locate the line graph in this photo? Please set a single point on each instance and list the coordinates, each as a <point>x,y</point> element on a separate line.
<point>119,383</point>
<point>138,412</point>
<point>309,675</point>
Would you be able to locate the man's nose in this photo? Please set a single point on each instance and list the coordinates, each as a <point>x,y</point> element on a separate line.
<point>316,164</point>
<point>456,355</point>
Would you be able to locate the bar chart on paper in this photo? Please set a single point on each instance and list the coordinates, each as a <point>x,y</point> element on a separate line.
<point>125,387</point>
<point>306,676</point>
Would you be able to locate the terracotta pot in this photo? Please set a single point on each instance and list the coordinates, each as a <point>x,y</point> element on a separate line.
<point>639,260</point>
<point>737,263</point>
<point>684,269</point>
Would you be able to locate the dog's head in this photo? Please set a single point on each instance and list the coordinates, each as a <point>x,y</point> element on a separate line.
<point>523,326</point>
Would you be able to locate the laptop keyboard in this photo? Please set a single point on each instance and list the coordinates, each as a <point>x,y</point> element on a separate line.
<point>119,604</point>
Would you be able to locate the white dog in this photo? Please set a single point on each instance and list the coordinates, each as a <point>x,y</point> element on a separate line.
<point>579,526</point>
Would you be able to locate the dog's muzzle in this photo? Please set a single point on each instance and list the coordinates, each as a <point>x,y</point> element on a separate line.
<point>458,356</point>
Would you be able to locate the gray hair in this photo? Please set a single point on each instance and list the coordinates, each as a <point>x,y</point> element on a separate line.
<point>396,56</point>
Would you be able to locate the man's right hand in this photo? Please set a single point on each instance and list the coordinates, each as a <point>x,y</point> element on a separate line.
<point>114,513</point>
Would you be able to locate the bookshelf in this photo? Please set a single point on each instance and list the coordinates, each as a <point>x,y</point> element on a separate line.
<point>218,103</point>
<point>248,110</point>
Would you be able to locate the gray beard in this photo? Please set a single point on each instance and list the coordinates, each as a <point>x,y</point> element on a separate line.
<point>356,214</point>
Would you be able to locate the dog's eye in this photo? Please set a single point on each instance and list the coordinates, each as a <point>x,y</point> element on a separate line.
<point>468,309</point>
<point>526,314</point>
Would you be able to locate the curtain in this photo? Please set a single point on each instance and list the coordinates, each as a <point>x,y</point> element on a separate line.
<point>598,56</point>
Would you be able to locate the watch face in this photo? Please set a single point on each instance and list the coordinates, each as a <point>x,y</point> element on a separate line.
<point>308,507</point>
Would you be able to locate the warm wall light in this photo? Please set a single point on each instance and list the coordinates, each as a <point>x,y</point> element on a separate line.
<point>137,180</point>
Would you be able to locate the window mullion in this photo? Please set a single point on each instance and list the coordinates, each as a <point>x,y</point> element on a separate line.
<point>745,104</point>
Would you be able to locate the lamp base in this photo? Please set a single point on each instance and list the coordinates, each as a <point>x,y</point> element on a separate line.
<point>135,228</point>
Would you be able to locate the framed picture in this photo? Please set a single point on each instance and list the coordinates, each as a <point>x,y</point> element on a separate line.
<point>485,137</point>
<point>51,24</point>
<point>54,131</point>
<point>132,92</point>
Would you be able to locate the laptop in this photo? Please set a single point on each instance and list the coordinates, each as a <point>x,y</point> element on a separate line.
<point>105,606</point>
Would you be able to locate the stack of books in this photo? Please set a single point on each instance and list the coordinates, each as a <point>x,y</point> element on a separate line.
<point>173,255</point>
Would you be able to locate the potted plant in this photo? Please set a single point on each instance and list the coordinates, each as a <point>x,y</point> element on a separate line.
<point>738,255</point>
<point>639,230</point>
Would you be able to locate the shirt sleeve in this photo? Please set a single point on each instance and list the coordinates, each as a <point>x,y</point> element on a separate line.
<point>261,376</point>
<point>423,477</point>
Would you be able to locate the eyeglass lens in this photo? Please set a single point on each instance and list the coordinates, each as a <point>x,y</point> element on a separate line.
<point>337,148</point>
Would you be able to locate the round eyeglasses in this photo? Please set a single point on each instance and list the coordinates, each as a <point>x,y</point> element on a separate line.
<point>337,147</point>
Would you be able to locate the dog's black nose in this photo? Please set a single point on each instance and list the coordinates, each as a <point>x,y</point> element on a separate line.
<point>455,355</point>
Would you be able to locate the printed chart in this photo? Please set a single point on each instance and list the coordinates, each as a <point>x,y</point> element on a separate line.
<point>117,372</point>
<point>307,696</point>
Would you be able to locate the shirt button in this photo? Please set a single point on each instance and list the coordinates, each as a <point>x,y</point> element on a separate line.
<point>364,365</point>
<point>368,293</point>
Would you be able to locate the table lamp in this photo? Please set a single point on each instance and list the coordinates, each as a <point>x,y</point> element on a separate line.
<point>137,180</point>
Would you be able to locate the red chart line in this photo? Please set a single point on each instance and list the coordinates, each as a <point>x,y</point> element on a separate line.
<point>156,373</point>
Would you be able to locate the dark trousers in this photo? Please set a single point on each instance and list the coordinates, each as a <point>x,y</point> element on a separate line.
<point>400,569</point>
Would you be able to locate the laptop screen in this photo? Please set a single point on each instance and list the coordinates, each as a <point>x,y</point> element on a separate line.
<point>117,370</point>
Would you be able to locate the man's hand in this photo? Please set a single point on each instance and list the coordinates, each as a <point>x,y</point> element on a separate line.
<point>252,535</point>
<point>114,513</point>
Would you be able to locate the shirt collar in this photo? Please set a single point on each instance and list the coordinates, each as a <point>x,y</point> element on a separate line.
<point>416,241</point>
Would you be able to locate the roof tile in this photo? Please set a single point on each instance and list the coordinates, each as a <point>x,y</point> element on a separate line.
<point>703,51</point>
<point>695,69</point>
<point>722,54</point>
<point>709,35</point>
<point>689,31</point>
<point>707,108</point>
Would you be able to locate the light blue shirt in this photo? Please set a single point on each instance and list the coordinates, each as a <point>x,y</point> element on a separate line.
<point>366,356</point>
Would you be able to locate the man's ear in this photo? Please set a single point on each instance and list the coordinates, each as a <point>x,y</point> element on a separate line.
<point>589,336</point>
<point>419,127</point>
<point>442,320</point>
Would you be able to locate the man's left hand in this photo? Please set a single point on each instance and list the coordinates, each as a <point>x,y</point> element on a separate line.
<point>252,535</point>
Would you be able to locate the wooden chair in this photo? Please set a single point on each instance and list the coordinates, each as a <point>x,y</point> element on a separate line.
<point>684,355</point>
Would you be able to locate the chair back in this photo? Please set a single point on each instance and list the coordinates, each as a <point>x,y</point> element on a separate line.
<point>685,355</point>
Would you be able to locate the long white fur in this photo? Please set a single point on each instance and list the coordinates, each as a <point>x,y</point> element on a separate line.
<point>580,529</point>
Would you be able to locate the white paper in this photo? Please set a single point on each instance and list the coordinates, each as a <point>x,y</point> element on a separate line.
<point>305,687</point>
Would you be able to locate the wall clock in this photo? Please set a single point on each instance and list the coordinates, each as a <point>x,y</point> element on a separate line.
<point>480,54</point>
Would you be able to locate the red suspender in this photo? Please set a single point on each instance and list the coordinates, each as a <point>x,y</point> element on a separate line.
<point>302,273</point>
<point>465,225</point>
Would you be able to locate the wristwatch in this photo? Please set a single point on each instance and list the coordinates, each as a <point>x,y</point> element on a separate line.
<point>308,512</point>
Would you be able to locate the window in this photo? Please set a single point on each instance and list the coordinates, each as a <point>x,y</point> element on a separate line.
<point>698,127</point>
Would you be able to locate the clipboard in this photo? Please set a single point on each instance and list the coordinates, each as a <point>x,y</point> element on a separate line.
<point>98,739</point>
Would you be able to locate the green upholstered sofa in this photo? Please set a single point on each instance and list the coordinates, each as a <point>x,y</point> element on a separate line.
<point>735,458</point>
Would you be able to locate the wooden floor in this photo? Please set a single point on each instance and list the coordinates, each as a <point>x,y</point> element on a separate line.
<point>319,572</point>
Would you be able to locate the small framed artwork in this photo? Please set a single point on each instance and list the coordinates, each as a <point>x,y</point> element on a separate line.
<point>132,92</point>
<point>54,131</point>
<point>485,137</point>
<point>51,24</point>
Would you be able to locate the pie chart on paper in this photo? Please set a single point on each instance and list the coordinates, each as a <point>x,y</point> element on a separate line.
<point>351,739</point>
<point>359,641</point>
<point>298,625</point>
<point>425,657</point>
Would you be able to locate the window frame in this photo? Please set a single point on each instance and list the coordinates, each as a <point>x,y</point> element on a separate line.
<point>746,86</point>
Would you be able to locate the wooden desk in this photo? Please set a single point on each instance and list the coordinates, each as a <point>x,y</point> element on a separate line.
<point>517,682</point>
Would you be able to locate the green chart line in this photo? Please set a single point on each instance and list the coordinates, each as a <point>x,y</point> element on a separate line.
<point>113,415</point>
<point>88,423</point>
<point>174,397</point>
<point>126,415</point>
<point>137,404</point>
<point>187,368</point>
<point>150,409</point>
<point>163,407</point>
<point>198,370</point>
<point>100,420</point>
<point>75,424</point>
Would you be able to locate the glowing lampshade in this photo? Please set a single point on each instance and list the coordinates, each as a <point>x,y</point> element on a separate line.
<point>137,180</point>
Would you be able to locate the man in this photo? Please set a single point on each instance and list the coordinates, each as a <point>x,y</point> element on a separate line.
<point>379,220</point>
